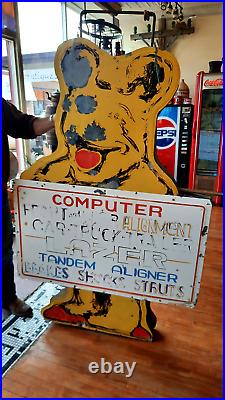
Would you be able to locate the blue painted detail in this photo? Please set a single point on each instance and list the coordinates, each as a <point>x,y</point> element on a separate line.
<point>85,104</point>
<point>66,103</point>
<point>94,132</point>
<point>93,172</point>
<point>72,135</point>
<point>112,184</point>
<point>76,69</point>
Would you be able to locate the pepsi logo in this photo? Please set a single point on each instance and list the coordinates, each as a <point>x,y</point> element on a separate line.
<point>166,133</point>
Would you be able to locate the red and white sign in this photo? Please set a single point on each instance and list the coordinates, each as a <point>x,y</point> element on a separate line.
<point>139,245</point>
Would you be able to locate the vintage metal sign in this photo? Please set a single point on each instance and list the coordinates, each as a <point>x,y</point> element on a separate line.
<point>139,245</point>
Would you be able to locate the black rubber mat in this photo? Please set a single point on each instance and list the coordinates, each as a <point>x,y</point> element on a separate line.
<point>18,334</point>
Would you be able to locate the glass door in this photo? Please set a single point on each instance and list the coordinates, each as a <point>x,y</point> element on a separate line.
<point>10,92</point>
<point>210,139</point>
<point>41,32</point>
<point>12,81</point>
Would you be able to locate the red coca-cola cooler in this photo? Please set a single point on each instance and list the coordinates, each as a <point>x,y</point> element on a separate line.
<point>173,141</point>
<point>207,135</point>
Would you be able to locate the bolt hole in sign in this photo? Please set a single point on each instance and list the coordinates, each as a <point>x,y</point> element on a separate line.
<point>139,245</point>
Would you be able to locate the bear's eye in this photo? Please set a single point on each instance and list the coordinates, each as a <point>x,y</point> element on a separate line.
<point>102,84</point>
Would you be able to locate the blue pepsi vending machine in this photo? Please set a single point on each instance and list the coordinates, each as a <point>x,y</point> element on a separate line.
<point>173,141</point>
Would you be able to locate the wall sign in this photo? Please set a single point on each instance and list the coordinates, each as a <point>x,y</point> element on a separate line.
<point>139,245</point>
<point>40,75</point>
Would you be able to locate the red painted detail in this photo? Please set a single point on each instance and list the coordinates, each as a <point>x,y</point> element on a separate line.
<point>140,332</point>
<point>87,159</point>
<point>196,129</point>
<point>217,200</point>
<point>59,313</point>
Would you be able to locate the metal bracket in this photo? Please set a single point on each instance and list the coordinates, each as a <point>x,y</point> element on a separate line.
<point>167,37</point>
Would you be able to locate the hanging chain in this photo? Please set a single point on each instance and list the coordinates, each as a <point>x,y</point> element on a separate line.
<point>156,64</point>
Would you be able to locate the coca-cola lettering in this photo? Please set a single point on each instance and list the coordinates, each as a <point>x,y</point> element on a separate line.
<point>215,83</point>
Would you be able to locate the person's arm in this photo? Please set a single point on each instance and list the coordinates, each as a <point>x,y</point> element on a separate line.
<point>21,125</point>
<point>42,125</point>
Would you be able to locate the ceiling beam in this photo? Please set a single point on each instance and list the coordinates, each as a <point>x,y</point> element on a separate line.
<point>109,6</point>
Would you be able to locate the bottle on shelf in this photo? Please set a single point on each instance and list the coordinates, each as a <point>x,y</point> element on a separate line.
<point>182,94</point>
<point>183,89</point>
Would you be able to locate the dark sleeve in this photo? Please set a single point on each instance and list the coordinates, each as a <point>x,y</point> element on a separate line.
<point>15,123</point>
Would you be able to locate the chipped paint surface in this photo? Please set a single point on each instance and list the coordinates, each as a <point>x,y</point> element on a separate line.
<point>104,313</point>
<point>66,104</point>
<point>94,132</point>
<point>143,245</point>
<point>76,69</point>
<point>108,105</point>
<point>111,146</point>
<point>85,104</point>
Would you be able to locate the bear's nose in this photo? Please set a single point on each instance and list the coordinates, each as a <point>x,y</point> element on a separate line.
<point>87,159</point>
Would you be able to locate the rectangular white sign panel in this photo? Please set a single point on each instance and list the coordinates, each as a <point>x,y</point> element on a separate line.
<point>139,245</point>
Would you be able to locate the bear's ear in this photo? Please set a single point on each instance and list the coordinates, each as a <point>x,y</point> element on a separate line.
<point>75,62</point>
<point>153,76</point>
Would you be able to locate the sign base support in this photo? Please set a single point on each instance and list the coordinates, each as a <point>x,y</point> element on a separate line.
<point>102,312</point>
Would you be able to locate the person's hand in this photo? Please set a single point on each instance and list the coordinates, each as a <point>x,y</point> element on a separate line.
<point>52,119</point>
<point>43,125</point>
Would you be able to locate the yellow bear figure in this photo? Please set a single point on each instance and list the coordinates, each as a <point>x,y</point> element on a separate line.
<point>105,127</point>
